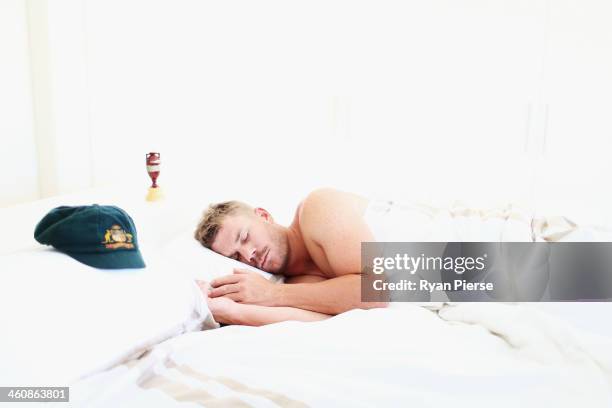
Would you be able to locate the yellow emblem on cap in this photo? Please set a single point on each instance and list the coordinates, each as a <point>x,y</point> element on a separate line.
<point>116,237</point>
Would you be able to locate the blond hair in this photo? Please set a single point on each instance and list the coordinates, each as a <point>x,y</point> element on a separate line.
<point>212,219</point>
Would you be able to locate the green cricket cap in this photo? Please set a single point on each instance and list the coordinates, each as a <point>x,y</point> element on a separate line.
<point>101,236</point>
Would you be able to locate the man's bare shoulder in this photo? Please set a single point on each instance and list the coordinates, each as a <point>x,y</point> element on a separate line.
<point>324,200</point>
<point>324,207</point>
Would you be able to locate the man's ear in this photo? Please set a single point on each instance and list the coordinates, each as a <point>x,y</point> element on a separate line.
<point>260,212</point>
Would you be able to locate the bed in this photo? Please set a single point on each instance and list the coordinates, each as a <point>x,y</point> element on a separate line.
<point>146,338</point>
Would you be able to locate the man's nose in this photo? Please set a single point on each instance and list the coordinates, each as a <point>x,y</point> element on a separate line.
<point>251,255</point>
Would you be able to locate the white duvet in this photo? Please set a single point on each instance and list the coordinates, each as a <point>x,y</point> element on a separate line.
<point>467,355</point>
<point>61,319</point>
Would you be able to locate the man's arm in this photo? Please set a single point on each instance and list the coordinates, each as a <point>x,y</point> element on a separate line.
<point>331,296</point>
<point>227,311</point>
<point>313,293</point>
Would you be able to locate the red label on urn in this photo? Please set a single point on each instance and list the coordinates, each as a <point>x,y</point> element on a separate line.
<point>153,164</point>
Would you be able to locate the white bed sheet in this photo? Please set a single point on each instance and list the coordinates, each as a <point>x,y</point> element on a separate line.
<point>502,356</point>
<point>61,319</point>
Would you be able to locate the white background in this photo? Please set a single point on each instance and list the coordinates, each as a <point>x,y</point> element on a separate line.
<point>484,101</point>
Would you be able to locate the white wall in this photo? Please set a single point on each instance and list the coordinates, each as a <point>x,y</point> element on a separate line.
<point>44,135</point>
<point>576,172</point>
<point>60,94</point>
<point>477,100</point>
<point>411,99</point>
<point>18,168</point>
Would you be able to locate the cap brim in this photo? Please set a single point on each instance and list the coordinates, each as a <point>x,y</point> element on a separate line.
<point>111,260</point>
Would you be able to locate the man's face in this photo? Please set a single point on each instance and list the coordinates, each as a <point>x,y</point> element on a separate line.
<point>253,238</point>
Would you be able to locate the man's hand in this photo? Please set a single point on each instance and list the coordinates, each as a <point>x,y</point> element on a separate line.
<point>224,310</point>
<point>245,287</point>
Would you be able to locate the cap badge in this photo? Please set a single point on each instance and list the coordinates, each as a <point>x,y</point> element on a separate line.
<point>116,237</point>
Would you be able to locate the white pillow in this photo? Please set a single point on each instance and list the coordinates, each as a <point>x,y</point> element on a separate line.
<point>197,262</point>
<point>62,319</point>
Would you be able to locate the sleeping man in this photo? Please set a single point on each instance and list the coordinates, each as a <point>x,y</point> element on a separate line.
<point>319,254</point>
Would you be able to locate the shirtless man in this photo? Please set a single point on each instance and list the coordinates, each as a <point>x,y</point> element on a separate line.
<point>319,254</point>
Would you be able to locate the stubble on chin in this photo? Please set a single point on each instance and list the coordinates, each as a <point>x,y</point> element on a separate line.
<point>282,245</point>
